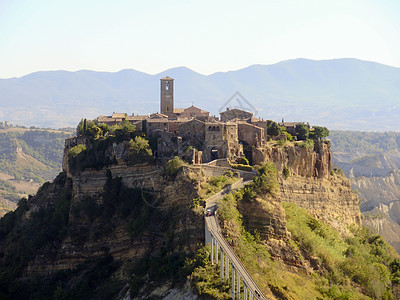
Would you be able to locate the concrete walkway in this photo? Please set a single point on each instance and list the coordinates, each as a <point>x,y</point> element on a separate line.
<point>217,241</point>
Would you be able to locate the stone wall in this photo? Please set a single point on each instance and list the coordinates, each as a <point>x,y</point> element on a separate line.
<point>251,134</point>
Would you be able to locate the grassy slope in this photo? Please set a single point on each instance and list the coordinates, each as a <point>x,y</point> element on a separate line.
<point>359,266</point>
<point>22,173</point>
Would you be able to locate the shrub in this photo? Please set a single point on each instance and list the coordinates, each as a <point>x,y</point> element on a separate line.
<point>74,151</point>
<point>302,131</point>
<point>281,142</point>
<point>139,150</point>
<point>288,136</point>
<point>242,167</point>
<point>267,182</point>
<point>274,129</point>
<point>308,144</point>
<point>173,165</point>
<point>243,161</point>
<point>286,172</point>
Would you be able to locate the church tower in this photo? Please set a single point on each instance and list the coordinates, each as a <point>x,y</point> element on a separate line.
<point>167,96</point>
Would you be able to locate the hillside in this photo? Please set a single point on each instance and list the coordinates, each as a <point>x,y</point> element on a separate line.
<point>28,157</point>
<point>372,161</point>
<point>111,226</point>
<point>338,94</point>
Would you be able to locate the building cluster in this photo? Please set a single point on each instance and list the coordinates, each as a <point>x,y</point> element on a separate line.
<point>192,131</point>
<point>4,125</point>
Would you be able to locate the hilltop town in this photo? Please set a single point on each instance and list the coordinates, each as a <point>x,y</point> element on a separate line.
<point>194,132</point>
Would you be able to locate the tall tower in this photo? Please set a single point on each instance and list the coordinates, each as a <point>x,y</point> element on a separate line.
<point>167,96</point>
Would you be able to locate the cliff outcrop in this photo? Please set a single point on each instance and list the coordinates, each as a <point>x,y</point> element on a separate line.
<point>311,161</point>
<point>306,179</point>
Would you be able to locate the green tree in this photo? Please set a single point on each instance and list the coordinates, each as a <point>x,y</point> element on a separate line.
<point>274,129</point>
<point>302,131</point>
<point>173,165</point>
<point>104,128</point>
<point>124,129</point>
<point>320,132</point>
<point>139,150</point>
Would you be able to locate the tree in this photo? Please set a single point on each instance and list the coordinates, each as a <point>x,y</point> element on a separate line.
<point>320,132</point>
<point>274,129</point>
<point>124,129</point>
<point>302,131</point>
<point>104,128</point>
<point>173,165</point>
<point>139,150</point>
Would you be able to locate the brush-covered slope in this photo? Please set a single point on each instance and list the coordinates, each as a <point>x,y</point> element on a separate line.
<point>28,157</point>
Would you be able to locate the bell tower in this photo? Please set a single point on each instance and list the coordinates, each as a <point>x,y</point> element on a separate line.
<point>167,96</point>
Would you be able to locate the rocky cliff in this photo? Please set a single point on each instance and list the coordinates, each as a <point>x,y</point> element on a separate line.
<point>307,179</point>
<point>138,226</point>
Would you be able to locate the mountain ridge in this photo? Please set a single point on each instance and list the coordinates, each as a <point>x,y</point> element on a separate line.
<point>339,94</point>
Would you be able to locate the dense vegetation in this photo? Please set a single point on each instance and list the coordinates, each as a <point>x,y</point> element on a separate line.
<point>359,266</point>
<point>100,139</point>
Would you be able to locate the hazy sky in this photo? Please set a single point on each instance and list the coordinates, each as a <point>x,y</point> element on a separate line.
<point>206,36</point>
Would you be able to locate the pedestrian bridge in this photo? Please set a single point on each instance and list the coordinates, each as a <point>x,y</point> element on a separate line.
<point>231,268</point>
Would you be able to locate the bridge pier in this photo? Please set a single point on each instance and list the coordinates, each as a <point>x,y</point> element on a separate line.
<point>227,262</point>
<point>238,285</point>
<point>222,265</point>
<point>212,250</point>
<point>233,281</point>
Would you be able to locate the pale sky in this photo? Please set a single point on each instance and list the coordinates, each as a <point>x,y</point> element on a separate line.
<point>205,36</point>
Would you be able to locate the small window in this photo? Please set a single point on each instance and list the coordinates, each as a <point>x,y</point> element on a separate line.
<point>167,85</point>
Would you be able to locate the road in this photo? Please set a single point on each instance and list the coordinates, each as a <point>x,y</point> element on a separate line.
<point>213,227</point>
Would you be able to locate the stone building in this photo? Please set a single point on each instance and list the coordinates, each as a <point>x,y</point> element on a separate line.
<point>192,132</point>
<point>192,112</point>
<point>250,134</point>
<point>167,96</point>
<point>231,114</point>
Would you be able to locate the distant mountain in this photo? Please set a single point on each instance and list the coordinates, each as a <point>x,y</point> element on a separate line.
<point>339,93</point>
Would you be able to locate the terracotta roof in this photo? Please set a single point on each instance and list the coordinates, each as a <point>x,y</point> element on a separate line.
<point>119,115</point>
<point>158,120</point>
<point>289,124</point>
<point>136,118</point>
<point>158,115</point>
<point>254,119</point>
<point>236,110</point>
<point>179,110</point>
<point>167,78</point>
<point>104,118</point>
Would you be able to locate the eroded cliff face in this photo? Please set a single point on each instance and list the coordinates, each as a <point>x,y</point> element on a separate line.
<point>101,220</point>
<point>310,184</point>
<point>305,162</point>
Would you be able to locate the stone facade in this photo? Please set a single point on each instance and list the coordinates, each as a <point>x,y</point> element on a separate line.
<point>231,114</point>
<point>180,129</point>
<point>250,134</point>
<point>193,112</point>
<point>167,96</point>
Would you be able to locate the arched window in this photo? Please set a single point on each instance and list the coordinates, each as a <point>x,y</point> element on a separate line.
<point>167,85</point>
